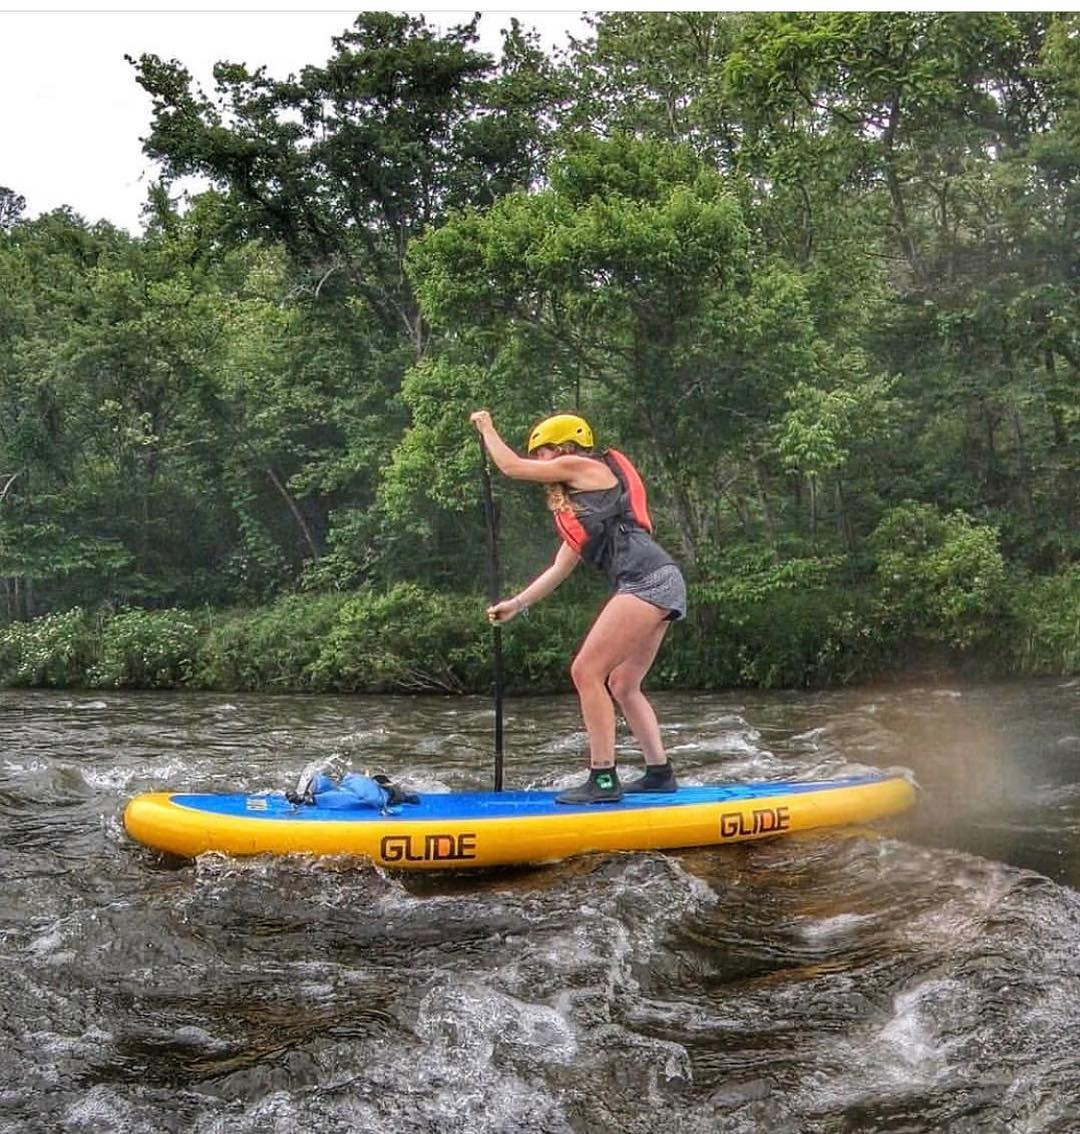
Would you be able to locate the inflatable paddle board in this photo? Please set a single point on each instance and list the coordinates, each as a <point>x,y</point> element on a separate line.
<point>464,830</point>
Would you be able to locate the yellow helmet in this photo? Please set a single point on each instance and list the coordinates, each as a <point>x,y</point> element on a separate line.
<point>562,427</point>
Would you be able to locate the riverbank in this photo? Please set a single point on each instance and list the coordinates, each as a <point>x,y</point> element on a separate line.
<point>410,639</point>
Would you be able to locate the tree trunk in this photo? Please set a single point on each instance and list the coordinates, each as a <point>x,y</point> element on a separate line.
<point>843,528</point>
<point>1057,419</point>
<point>766,511</point>
<point>298,516</point>
<point>22,599</point>
<point>990,476</point>
<point>684,512</point>
<point>896,195</point>
<point>1023,462</point>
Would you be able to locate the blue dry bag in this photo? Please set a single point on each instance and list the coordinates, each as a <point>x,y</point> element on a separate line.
<point>352,791</point>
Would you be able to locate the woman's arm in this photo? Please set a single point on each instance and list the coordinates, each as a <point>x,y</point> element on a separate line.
<point>576,472</point>
<point>564,563</point>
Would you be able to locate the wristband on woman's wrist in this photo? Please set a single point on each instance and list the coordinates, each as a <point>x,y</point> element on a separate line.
<point>522,607</point>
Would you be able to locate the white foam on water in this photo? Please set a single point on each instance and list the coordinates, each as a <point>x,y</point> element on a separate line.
<point>456,1076</point>
<point>651,1059</point>
<point>575,741</point>
<point>593,958</point>
<point>112,824</point>
<point>32,766</point>
<point>329,881</point>
<point>743,743</point>
<point>907,1048</point>
<point>554,996</point>
<point>315,991</point>
<point>905,1055</point>
<point>811,738</point>
<point>689,746</point>
<point>100,1110</point>
<point>979,1005</point>
<point>278,1112</point>
<point>119,777</point>
<point>978,889</point>
<point>727,721</point>
<point>444,743</point>
<point>191,1035</point>
<point>753,764</point>
<point>359,737</point>
<point>421,780</point>
<point>621,916</point>
<point>468,1022</point>
<point>46,946</point>
<point>473,1034</point>
<point>832,928</point>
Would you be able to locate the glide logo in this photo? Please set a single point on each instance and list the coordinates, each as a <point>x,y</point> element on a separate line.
<point>761,821</point>
<point>428,848</point>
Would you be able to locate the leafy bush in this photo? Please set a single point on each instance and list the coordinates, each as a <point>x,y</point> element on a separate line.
<point>271,648</point>
<point>939,577</point>
<point>146,649</point>
<point>762,621</point>
<point>538,647</point>
<point>780,639</point>
<point>742,576</point>
<point>1046,610</point>
<point>763,624</point>
<point>54,650</point>
<point>406,639</point>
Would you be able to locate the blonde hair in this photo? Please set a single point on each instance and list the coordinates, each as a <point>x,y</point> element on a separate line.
<point>558,498</point>
<point>558,494</point>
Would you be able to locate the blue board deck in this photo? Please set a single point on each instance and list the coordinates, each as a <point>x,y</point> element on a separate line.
<point>498,805</point>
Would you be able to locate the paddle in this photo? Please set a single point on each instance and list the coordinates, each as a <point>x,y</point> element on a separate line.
<point>493,596</point>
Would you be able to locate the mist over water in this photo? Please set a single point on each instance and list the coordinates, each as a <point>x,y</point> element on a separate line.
<point>923,975</point>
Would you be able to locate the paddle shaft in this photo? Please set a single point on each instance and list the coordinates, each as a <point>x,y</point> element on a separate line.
<point>493,596</point>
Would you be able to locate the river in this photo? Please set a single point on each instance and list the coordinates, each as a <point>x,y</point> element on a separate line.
<point>923,975</point>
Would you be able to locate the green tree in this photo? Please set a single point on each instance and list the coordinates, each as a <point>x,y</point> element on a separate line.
<point>943,576</point>
<point>925,134</point>
<point>629,288</point>
<point>12,205</point>
<point>342,166</point>
<point>345,163</point>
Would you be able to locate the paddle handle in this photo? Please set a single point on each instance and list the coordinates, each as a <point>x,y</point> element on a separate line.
<point>493,596</point>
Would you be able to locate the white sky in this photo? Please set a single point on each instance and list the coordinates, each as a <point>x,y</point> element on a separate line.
<point>72,114</point>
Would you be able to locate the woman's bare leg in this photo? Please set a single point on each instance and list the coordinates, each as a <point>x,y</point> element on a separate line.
<point>625,680</point>
<point>625,631</point>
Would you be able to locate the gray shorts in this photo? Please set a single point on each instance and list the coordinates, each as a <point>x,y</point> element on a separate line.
<point>665,587</point>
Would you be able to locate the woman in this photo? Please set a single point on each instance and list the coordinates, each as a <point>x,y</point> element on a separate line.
<point>598,503</point>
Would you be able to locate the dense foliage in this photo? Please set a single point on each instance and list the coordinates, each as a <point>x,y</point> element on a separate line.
<point>817,272</point>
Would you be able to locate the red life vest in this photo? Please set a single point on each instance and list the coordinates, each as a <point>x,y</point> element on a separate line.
<point>580,532</point>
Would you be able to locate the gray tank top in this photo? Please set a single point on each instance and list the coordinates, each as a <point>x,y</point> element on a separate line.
<point>622,548</point>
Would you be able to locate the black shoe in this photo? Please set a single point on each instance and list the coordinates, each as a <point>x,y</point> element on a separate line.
<point>658,777</point>
<point>602,786</point>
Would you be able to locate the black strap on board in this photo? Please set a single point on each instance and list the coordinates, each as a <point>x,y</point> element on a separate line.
<point>493,597</point>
